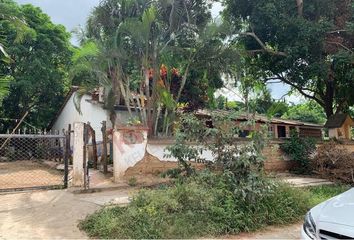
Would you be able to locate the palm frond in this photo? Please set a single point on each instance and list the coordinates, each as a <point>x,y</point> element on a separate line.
<point>4,57</point>
<point>4,86</point>
<point>79,94</point>
<point>87,50</point>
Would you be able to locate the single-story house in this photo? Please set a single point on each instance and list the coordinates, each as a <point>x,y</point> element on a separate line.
<point>92,110</point>
<point>279,128</point>
<point>339,126</point>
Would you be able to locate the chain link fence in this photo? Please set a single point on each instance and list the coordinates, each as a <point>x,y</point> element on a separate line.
<point>32,161</point>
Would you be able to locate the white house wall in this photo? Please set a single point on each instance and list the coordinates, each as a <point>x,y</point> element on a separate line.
<point>92,113</point>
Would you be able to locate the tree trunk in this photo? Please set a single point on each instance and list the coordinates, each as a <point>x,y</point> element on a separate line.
<point>151,105</point>
<point>300,7</point>
<point>329,94</point>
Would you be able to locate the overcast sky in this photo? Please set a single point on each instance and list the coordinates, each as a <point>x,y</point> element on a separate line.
<point>73,13</point>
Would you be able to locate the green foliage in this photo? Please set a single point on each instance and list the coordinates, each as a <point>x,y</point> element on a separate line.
<point>132,182</point>
<point>308,47</point>
<point>136,38</point>
<point>242,162</point>
<point>39,65</point>
<point>10,16</point>
<point>4,86</point>
<point>201,207</point>
<point>322,193</point>
<point>204,207</point>
<point>300,150</point>
<point>306,112</point>
<point>277,109</point>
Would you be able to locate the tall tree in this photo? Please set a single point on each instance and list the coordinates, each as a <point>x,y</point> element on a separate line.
<point>9,15</point>
<point>305,44</point>
<point>159,49</point>
<point>38,66</point>
<point>309,111</point>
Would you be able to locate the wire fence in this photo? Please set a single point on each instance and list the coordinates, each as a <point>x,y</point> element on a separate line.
<point>32,161</point>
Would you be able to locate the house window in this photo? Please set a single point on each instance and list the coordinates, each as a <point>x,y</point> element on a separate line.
<point>281,131</point>
<point>244,133</point>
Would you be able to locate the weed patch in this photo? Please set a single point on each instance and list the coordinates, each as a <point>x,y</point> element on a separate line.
<point>200,207</point>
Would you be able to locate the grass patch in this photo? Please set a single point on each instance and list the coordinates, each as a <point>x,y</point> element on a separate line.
<point>322,193</point>
<point>204,207</point>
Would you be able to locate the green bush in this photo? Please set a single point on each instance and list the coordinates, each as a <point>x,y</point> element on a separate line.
<point>300,150</point>
<point>202,206</point>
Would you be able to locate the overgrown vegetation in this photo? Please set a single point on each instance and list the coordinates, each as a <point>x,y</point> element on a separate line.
<point>320,194</point>
<point>217,134</point>
<point>231,196</point>
<point>205,205</point>
<point>333,161</point>
<point>300,150</point>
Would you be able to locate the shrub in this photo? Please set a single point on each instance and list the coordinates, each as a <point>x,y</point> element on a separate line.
<point>132,181</point>
<point>241,161</point>
<point>300,150</point>
<point>202,206</point>
<point>334,162</point>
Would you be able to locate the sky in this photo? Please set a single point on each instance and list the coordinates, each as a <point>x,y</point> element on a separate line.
<point>74,13</point>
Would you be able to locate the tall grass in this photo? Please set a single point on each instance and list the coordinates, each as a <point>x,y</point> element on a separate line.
<point>195,209</point>
<point>322,193</point>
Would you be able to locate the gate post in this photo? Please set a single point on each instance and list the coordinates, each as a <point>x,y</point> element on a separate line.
<point>78,155</point>
<point>129,147</point>
<point>67,154</point>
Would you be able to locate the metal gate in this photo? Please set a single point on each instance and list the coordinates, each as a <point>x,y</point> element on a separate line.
<point>29,161</point>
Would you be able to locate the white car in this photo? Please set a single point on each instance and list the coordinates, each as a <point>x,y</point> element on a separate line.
<point>332,219</point>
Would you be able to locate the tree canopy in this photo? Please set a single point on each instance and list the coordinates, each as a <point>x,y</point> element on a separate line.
<point>165,52</point>
<point>38,66</point>
<point>306,112</point>
<point>305,44</point>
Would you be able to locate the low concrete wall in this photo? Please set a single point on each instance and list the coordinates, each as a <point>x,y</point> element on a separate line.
<point>149,156</point>
<point>155,160</point>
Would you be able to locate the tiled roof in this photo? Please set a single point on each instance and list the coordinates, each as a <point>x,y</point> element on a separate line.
<point>257,118</point>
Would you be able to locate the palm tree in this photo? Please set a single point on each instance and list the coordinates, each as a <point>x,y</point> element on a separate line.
<point>133,38</point>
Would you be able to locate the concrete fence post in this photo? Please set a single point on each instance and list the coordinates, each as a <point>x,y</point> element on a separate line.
<point>129,147</point>
<point>78,155</point>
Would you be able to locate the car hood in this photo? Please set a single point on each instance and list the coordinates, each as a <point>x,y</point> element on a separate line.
<point>338,210</point>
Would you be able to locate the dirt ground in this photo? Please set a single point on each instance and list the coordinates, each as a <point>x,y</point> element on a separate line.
<point>275,232</point>
<point>24,174</point>
<point>50,214</point>
<point>56,215</point>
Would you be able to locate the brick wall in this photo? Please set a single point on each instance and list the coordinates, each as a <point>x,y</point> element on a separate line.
<point>152,165</point>
<point>275,161</point>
